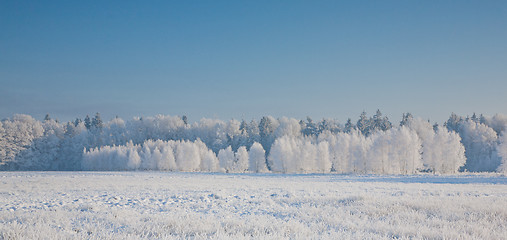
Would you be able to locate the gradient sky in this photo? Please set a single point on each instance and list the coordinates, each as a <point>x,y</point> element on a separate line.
<point>247,59</point>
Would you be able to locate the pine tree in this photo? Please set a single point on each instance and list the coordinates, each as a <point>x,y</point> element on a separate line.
<point>311,128</point>
<point>453,123</point>
<point>77,122</point>
<point>482,119</point>
<point>266,131</point>
<point>435,127</point>
<point>243,127</point>
<point>474,118</point>
<point>363,124</point>
<point>265,127</point>
<point>406,119</point>
<point>377,123</point>
<point>88,122</point>
<point>349,126</point>
<point>70,130</point>
<point>97,121</point>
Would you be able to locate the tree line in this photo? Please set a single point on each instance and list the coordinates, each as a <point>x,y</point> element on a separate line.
<point>287,145</point>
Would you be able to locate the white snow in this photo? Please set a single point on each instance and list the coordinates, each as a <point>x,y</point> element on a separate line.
<point>165,205</point>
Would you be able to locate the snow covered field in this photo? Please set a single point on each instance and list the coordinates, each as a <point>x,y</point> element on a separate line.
<point>162,205</point>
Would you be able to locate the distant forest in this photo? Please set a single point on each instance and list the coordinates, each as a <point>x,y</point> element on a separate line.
<point>370,145</point>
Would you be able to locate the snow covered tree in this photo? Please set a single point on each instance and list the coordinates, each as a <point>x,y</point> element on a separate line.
<point>498,122</point>
<point>187,156</point>
<point>379,123</point>
<point>17,135</point>
<point>363,124</point>
<point>257,158</point>
<point>226,159</point>
<point>241,160</point>
<point>480,142</point>
<point>97,122</point>
<point>453,123</point>
<point>299,155</point>
<point>88,122</point>
<point>243,127</point>
<point>77,122</point>
<point>406,118</point>
<point>310,127</point>
<point>266,130</point>
<point>502,153</point>
<point>209,160</point>
<point>349,126</point>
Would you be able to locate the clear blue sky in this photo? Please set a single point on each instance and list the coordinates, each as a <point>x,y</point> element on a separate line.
<point>247,59</point>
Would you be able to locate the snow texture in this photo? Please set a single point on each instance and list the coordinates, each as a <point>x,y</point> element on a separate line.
<point>162,205</point>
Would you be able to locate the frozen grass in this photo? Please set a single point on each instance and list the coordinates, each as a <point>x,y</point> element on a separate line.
<point>159,205</point>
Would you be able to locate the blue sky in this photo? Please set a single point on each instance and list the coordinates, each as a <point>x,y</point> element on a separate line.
<point>247,59</point>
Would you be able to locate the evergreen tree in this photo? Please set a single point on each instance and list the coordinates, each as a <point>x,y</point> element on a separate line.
<point>474,118</point>
<point>454,122</point>
<point>302,125</point>
<point>349,126</point>
<point>482,119</point>
<point>243,127</point>
<point>324,125</point>
<point>265,127</point>
<point>363,124</point>
<point>70,130</point>
<point>435,127</point>
<point>406,119</point>
<point>376,122</point>
<point>77,122</point>
<point>266,131</point>
<point>311,128</point>
<point>47,118</point>
<point>185,119</point>
<point>97,121</point>
<point>379,123</point>
<point>88,122</point>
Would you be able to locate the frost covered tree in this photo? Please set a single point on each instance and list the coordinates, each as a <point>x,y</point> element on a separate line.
<point>88,122</point>
<point>187,157</point>
<point>241,160</point>
<point>480,142</point>
<point>498,122</point>
<point>97,122</point>
<point>299,155</point>
<point>339,150</point>
<point>442,150</point>
<point>243,127</point>
<point>403,151</point>
<point>379,123</point>
<point>502,153</point>
<point>267,127</point>
<point>363,124</point>
<point>226,159</point>
<point>454,122</point>
<point>310,127</point>
<point>406,118</point>
<point>257,158</point>
<point>209,160</point>
<point>166,143</point>
<point>233,162</point>
<point>349,126</point>
<point>17,135</point>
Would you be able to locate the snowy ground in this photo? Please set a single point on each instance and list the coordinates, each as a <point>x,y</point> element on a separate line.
<point>159,205</point>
